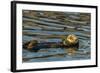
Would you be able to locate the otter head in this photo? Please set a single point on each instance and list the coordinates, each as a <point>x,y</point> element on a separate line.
<point>70,40</point>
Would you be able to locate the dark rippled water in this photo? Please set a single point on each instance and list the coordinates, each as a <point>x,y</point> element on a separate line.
<point>39,28</point>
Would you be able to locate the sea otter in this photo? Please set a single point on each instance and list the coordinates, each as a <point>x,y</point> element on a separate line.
<point>69,41</point>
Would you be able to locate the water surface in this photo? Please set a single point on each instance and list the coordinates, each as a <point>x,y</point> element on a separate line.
<point>40,27</point>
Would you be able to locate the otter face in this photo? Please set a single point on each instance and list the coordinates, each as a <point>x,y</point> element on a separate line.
<point>72,38</point>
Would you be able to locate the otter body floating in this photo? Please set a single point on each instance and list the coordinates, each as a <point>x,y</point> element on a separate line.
<point>68,41</point>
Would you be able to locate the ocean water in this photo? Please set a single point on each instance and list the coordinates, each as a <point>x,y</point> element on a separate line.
<point>40,29</point>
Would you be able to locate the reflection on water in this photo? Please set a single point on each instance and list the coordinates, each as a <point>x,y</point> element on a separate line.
<point>70,51</point>
<point>52,27</point>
